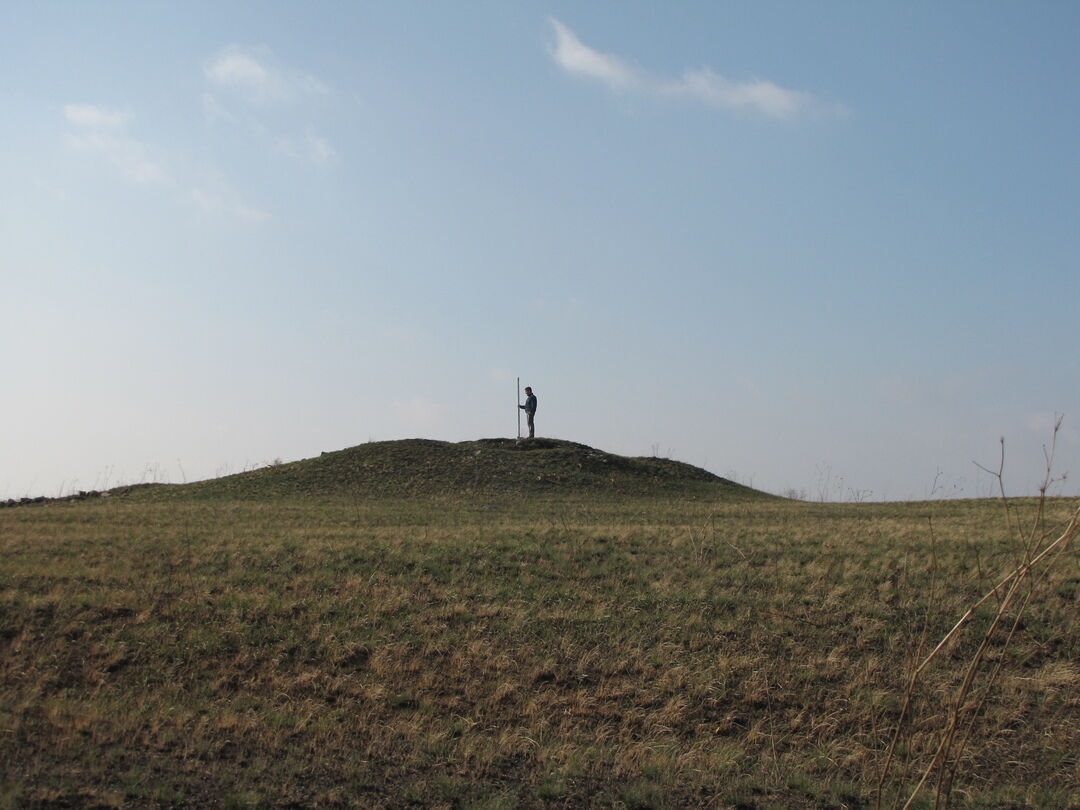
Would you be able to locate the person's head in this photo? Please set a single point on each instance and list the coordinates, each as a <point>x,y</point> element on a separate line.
<point>528,390</point>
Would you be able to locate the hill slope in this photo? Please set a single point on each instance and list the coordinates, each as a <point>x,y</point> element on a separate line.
<point>411,467</point>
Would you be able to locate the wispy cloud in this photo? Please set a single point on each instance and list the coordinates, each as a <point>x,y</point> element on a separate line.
<point>755,95</point>
<point>91,116</point>
<point>245,88</point>
<point>704,86</point>
<point>318,150</point>
<point>308,148</point>
<point>224,201</point>
<point>214,111</point>
<point>574,56</point>
<point>249,87</point>
<point>102,131</point>
<point>254,75</point>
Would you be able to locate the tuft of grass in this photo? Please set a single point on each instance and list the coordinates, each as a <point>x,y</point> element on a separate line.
<point>643,795</point>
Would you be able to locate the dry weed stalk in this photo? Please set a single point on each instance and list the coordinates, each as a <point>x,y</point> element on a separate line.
<point>1018,587</point>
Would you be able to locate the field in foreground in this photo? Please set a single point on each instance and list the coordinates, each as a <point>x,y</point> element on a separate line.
<point>559,650</point>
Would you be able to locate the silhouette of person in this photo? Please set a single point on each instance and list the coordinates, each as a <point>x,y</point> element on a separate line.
<point>530,410</point>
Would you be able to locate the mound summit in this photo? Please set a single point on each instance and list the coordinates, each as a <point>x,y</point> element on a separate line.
<point>417,467</point>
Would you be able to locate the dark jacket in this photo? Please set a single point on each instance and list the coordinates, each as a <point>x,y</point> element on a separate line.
<point>530,403</point>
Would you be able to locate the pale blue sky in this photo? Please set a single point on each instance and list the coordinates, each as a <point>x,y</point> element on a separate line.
<point>830,247</point>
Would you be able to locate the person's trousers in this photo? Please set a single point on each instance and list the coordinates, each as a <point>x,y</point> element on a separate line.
<point>532,427</point>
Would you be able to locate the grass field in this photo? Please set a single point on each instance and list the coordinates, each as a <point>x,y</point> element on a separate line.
<point>569,646</point>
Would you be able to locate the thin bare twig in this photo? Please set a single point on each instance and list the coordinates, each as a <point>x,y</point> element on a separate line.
<point>910,690</point>
<point>1014,580</point>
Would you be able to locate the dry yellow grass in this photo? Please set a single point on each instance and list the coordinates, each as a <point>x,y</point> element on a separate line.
<point>495,653</point>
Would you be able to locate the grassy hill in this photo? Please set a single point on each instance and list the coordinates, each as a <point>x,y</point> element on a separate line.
<point>419,467</point>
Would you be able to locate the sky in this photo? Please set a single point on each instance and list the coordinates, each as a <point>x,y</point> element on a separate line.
<point>823,248</point>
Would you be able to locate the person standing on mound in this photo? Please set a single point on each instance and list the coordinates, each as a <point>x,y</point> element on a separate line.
<point>530,410</point>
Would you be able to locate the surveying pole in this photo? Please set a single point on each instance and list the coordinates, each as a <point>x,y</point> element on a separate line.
<point>519,406</point>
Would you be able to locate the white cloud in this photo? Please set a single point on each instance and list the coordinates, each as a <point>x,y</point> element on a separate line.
<point>214,111</point>
<point>254,76</point>
<point>573,56</point>
<point>319,150</point>
<point>126,154</point>
<point>704,86</point>
<point>101,131</point>
<point>91,116</point>
<point>310,148</point>
<point>249,89</point>
<point>238,69</point>
<point>225,202</point>
<point>756,95</point>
